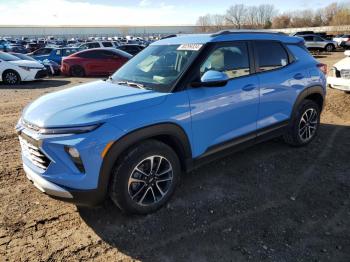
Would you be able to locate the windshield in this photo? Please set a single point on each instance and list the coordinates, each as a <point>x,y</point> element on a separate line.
<point>24,57</point>
<point>8,57</point>
<point>158,66</point>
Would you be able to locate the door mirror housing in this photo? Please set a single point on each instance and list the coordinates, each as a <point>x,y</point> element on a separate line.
<point>213,78</point>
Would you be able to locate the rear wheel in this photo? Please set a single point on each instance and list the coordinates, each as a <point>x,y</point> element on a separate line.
<point>304,124</point>
<point>145,177</point>
<point>77,71</point>
<point>329,48</point>
<point>11,77</point>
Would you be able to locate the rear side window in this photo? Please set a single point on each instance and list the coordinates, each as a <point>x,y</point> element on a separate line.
<point>308,38</point>
<point>93,45</point>
<point>107,44</point>
<point>92,54</point>
<point>271,55</point>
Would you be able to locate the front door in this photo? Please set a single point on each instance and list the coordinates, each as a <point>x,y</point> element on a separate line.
<point>222,114</point>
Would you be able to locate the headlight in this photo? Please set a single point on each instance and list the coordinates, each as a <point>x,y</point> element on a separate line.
<point>333,72</point>
<point>27,68</point>
<point>68,130</point>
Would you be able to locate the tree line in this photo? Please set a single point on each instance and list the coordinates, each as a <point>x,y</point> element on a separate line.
<point>267,16</point>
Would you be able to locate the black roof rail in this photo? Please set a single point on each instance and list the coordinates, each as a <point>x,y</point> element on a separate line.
<point>244,31</point>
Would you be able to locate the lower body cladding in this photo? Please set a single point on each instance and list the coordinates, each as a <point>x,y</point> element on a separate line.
<point>69,177</point>
<point>339,83</point>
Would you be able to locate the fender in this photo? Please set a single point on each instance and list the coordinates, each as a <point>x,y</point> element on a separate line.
<point>177,138</point>
<point>317,90</point>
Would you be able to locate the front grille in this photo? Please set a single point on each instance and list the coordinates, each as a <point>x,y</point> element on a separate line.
<point>34,154</point>
<point>345,74</point>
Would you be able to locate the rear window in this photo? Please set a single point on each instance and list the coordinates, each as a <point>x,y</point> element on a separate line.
<point>271,55</point>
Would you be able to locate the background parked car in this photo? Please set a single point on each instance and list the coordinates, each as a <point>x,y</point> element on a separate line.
<point>131,49</point>
<point>56,54</point>
<point>341,38</point>
<point>339,77</point>
<point>14,70</point>
<point>319,43</point>
<point>17,48</point>
<point>97,44</point>
<point>41,51</point>
<point>93,62</point>
<point>52,67</point>
<point>31,47</point>
<point>3,44</point>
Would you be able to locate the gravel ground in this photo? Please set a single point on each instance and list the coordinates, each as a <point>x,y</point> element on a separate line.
<point>270,202</point>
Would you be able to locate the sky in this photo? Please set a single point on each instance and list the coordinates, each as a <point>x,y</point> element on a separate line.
<point>127,12</point>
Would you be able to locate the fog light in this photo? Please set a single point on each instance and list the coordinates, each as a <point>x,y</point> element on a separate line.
<point>74,154</point>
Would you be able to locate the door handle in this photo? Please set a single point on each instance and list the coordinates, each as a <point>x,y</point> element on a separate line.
<point>249,87</point>
<point>298,76</point>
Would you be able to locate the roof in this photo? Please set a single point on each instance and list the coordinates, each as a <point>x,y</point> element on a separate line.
<point>228,36</point>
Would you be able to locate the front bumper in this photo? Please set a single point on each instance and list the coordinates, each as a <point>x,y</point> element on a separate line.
<point>59,177</point>
<point>339,83</point>
<point>44,185</point>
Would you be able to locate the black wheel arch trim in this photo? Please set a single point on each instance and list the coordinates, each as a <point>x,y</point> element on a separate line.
<point>171,130</point>
<point>307,92</point>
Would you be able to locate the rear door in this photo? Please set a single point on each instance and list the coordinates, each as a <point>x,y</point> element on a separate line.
<point>319,42</point>
<point>280,78</point>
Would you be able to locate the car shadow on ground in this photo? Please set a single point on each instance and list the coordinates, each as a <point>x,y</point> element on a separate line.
<point>38,84</point>
<point>268,202</point>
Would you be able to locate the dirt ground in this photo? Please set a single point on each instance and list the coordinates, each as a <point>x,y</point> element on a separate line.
<point>270,202</point>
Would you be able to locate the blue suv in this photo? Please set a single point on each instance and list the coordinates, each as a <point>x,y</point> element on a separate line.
<point>179,103</point>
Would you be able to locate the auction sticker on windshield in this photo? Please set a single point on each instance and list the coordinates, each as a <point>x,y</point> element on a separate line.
<point>190,47</point>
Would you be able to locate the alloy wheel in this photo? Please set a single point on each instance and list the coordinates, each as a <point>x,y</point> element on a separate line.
<point>11,78</point>
<point>150,180</point>
<point>308,125</point>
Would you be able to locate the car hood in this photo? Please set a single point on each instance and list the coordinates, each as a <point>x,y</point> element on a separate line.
<point>88,103</point>
<point>343,64</point>
<point>27,63</point>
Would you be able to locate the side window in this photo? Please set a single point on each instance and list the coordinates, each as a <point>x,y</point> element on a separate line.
<point>308,38</point>
<point>58,52</point>
<point>318,39</point>
<point>84,46</point>
<point>93,45</point>
<point>232,59</point>
<point>271,55</point>
<point>107,44</point>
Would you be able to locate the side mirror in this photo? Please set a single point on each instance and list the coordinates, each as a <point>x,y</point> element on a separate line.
<point>213,78</point>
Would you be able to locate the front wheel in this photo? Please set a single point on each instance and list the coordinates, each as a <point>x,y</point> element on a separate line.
<point>11,77</point>
<point>145,177</point>
<point>304,124</point>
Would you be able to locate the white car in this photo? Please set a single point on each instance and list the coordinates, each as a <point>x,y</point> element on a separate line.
<point>341,39</point>
<point>14,70</point>
<point>339,77</point>
<point>98,44</point>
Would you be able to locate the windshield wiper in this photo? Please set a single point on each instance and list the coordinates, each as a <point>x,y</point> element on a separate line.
<point>133,84</point>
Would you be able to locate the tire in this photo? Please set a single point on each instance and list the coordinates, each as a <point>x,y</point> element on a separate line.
<point>137,190</point>
<point>304,124</point>
<point>347,92</point>
<point>329,48</point>
<point>77,71</point>
<point>11,77</point>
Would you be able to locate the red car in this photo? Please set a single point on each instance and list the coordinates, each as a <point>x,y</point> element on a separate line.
<point>94,62</point>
